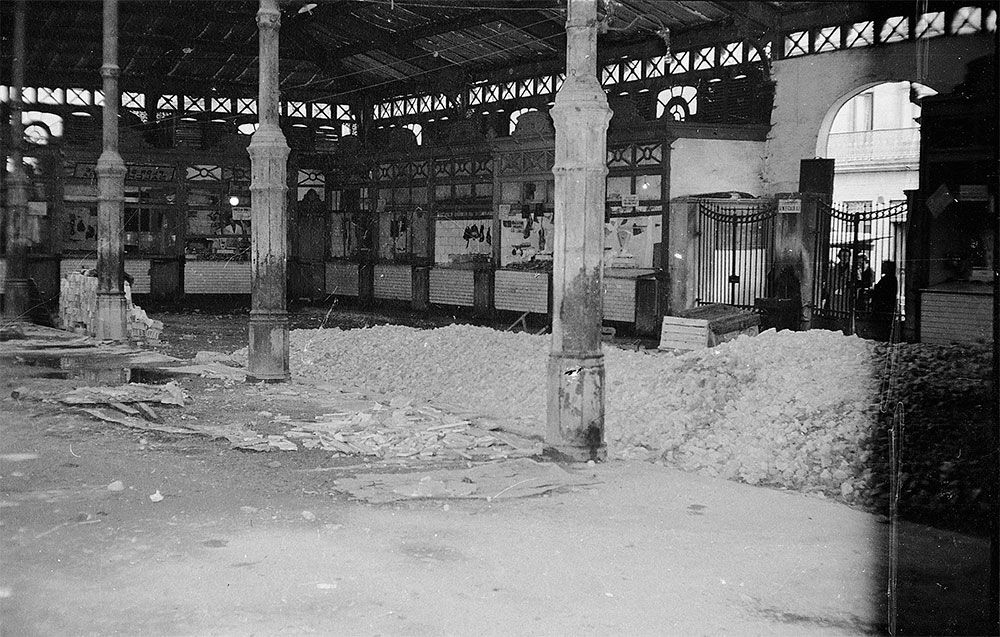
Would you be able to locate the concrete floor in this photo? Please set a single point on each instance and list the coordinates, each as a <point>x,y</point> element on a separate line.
<point>258,544</point>
<point>247,543</point>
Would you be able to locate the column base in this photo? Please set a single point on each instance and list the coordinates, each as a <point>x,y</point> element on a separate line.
<point>575,428</point>
<point>112,317</point>
<point>17,300</point>
<point>268,351</point>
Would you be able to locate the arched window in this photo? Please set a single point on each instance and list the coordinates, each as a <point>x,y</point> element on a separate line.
<point>516,115</point>
<point>418,132</point>
<point>37,133</point>
<point>52,123</point>
<point>677,102</point>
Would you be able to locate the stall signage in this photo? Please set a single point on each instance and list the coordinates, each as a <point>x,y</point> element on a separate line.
<point>973,192</point>
<point>241,213</point>
<point>789,206</point>
<point>134,172</point>
<point>630,201</point>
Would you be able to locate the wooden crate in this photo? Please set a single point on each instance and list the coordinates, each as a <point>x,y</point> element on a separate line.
<point>706,326</point>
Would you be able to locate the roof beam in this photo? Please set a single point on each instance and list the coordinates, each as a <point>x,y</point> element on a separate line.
<point>384,40</point>
<point>538,26</point>
<point>755,16</point>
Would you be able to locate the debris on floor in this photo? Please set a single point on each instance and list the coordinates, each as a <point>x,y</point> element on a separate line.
<point>788,409</point>
<point>518,478</point>
<point>210,364</point>
<point>395,429</point>
<point>168,394</point>
<point>131,405</point>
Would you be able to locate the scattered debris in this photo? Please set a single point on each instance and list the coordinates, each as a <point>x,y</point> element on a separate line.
<point>208,370</point>
<point>394,429</point>
<point>116,486</point>
<point>205,357</point>
<point>326,587</point>
<point>517,478</point>
<point>156,497</point>
<point>137,423</point>
<point>309,515</point>
<point>18,457</point>
<point>168,394</point>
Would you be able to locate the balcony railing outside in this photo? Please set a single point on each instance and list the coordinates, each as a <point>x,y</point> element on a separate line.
<point>886,146</point>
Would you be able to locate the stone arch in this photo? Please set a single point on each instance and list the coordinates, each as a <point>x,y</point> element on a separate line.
<point>826,124</point>
<point>807,88</point>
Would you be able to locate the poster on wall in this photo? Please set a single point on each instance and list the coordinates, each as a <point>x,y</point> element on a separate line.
<point>629,242</point>
<point>458,240</point>
<point>82,225</point>
<point>525,235</point>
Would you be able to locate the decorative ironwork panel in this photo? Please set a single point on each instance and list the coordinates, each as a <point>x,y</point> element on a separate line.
<point>796,43</point>
<point>680,62</point>
<point>860,34</point>
<point>246,106</point>
<point>730,54</point>
<point>311,177</point>
<point>734,252</point>
<point>703,59</point>
<point>133,100</point>
<point>967,20</point>
<point>620,157</point>
<point>826,39</point>
<point>930,25</point>
<point>895,29</point>
<point>852,243</point>
<point>78,97</point>
<point>649,155</point>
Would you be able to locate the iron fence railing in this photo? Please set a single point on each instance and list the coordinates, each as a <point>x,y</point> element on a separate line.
<point>735,250</point>
<point>851,248</point>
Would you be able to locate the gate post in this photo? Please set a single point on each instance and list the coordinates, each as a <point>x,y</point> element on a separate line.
<point>794,248</point>
<point>679,261</point>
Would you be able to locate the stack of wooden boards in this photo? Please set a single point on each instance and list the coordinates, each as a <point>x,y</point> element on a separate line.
<point>707,326</point>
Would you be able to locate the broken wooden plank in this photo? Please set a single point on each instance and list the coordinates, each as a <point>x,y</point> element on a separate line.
<point>136,423</point>
<point>125,409</point>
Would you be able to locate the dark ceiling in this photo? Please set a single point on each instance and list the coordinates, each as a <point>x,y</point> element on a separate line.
<point>341,49</point>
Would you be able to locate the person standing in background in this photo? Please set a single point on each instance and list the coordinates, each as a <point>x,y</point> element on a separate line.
<point>863,279</point>
<point>883,303</point>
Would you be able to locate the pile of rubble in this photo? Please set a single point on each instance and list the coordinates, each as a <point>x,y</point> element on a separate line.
<point>78,309</point>
<point>790,409</point>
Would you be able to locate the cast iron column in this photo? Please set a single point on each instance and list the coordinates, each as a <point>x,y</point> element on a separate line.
<point>576,363</point>
<point>17,296</point>
<point>111,316</point>
<point>269,223</point>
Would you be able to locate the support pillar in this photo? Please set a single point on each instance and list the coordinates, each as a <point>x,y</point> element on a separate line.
<point>111,310</point>
<point>17,290</point>
<point>268,360</point>
<point>576,363</point>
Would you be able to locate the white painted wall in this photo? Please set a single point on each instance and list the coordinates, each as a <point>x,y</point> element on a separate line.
<point>713,165</point>
<point>869,186</point>
<point>811,89</point>
<point>891,108</point>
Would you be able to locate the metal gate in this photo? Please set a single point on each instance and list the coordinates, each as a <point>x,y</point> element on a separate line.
<point>851,245</point>
<point>735,249</point>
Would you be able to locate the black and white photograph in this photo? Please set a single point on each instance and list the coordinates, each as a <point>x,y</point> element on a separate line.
<point>499,317</point>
